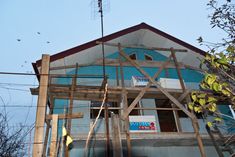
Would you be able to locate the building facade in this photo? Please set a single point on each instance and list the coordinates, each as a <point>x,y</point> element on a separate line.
<point>142,84</point>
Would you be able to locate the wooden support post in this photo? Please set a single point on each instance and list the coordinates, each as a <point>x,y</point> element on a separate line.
<point>125,105</point>
<point>62,142</point>
<point>117,76</point>
<point>70,111</point>
<point>53,145</point>
<point>107,130</point>
<point>41,107</point>
<point>117,141</point>
<point>48,128</point>
<point>177,120</point>
<point>178,69</point>
<point>198,137</point>
<point>194,119</point>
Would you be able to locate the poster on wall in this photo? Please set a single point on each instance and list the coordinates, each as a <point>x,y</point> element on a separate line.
<point>142,124</point>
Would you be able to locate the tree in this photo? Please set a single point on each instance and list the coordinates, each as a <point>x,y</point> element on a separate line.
<point>218,84</point>
<point>12,140</point>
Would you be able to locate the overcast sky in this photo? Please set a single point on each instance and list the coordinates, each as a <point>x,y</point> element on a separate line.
<point>30,28</point>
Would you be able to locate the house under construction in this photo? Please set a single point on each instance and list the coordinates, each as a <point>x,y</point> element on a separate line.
<point>123,95</point>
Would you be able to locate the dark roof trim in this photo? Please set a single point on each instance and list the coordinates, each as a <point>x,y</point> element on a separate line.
<point>118,34</point>
<point>36,70</point>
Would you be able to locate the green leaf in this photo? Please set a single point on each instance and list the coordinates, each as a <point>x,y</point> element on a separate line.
<point>202,102</point>
<point>225,84</point>
<point>208,57</point>
<point>211,99</point>
<point>210,124</point>
<point>197,109</point>
<point>223,61</point>
<point>203,86</point>
<point>218,119</point>
<point>225,92</point>
<point>216,87</point>
<point>190,105</point>
<point>212,107</point>
<point>210,79</point>
<point>194,97</point>
<point>230,49</point>
<point>202,95</point>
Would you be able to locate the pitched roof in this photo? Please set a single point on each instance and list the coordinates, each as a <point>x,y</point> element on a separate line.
<point>140,26</point>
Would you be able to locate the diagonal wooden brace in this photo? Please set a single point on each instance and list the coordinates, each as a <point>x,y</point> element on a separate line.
<point>141,94</point>
<point>152,80</point>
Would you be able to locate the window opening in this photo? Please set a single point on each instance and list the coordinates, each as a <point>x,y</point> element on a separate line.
<point>148,57</point>
<point>133,112</point>
<point>133,56</point>
<point>166,117</point>
<point>95,107</point>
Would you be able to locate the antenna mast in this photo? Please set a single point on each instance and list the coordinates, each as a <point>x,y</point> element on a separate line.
<point>100,6</point>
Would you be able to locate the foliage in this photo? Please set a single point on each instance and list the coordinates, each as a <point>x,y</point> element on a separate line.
<point>218,84</point>
<point>11,140</point>
<point>223,17</point>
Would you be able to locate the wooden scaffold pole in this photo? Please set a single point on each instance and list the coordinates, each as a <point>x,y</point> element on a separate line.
<point>125,105</point>
<point>194,119</point>
<point>53,145</point>
<point>41,107</point>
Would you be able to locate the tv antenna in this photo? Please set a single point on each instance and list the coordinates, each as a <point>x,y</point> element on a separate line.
<point>99,7</point>
<point>95,8</point>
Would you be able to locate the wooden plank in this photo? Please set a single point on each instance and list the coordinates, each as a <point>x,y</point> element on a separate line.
<point>125,104</point>
<point>155,64</point>
<point>117,76</point>
<point>140,47</point>
<point>140,108</point>
<point>178,69</point>
<point>66,116</point>
<point>198,137</point>
<point>175,112</point>
<point>175,101</point>
<point>53,145</point>
<point>116,134</point>
<point>115,63</point>
<point>73,87</point>
<point>48,128</point>
<point>41,109</point>
<point>46,140</point>
<point>106,114</point>
<point>177,120</point>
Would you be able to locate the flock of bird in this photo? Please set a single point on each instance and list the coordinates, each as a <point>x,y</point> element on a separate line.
<point>48,42</point>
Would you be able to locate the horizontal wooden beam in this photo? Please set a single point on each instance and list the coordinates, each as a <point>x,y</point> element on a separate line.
<point>154,64</point>
<point>140,47</point>
<point>115,62</point>
<point>140,108</point>
<point>66,116</point>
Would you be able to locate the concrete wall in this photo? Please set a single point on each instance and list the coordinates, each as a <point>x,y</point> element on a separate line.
<point>146,151</point>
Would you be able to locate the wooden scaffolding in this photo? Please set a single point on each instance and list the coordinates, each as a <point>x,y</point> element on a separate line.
<point>48,91</point>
